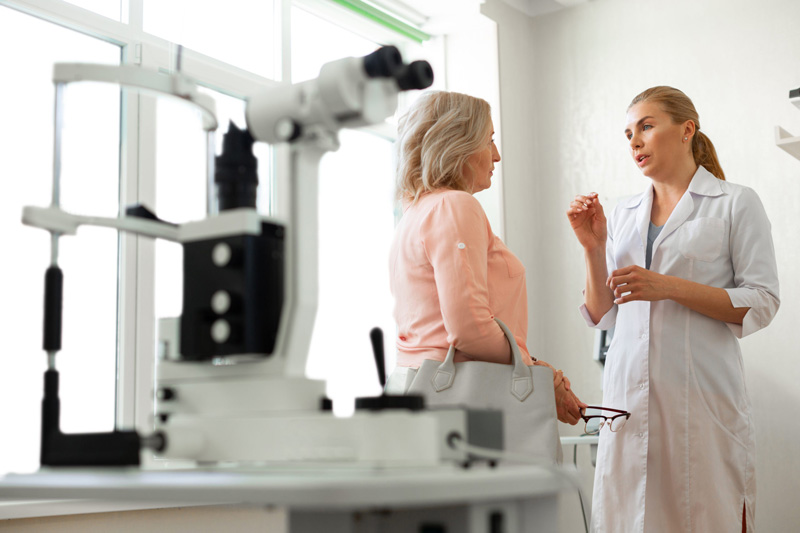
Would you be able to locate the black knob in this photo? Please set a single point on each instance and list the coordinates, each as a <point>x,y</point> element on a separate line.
<point>376,337</point>
<point>166,394</point>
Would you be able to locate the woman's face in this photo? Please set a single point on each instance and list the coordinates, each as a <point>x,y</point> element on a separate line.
<point>481,164</point>
<point>656,143</point>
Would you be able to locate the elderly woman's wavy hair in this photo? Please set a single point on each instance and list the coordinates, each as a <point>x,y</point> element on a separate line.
<point>435,139</point>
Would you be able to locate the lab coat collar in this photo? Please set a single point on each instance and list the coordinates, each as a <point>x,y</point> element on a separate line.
<point>703,183</point>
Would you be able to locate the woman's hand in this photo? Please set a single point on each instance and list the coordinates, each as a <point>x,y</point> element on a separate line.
<point>636,283</point>
<point>588,221</point>
<point>568,406</point>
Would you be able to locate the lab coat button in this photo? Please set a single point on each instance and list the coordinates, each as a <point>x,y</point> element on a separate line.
<point>640,435</point>
<point>642,386</point>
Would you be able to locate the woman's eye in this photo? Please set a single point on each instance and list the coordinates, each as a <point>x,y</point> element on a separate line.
<point>628,136</point>
<point>647,127</point>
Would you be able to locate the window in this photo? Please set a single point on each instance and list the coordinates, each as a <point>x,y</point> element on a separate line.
<point>237,32</point>
<point>356,221</point>
<point>181,182</point>
<point>108,8</point>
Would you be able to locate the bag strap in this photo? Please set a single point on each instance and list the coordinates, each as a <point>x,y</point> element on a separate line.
<point>521,376</point>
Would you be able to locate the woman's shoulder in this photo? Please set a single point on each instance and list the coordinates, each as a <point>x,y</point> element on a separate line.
<point>449,208</point>
<point>448,200</point>
<point>457,199</point>
<point>737,190</point>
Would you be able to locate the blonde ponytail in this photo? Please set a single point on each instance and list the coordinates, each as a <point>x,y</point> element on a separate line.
<point>705,154</point>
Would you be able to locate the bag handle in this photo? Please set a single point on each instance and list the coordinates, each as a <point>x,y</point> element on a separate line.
<point>521,376</point>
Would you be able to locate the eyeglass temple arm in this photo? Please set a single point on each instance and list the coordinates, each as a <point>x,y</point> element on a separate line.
<point>605,409</point>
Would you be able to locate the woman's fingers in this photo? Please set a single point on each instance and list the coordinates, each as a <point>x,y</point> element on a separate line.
<point>584,203</point>
<point>567,405</point>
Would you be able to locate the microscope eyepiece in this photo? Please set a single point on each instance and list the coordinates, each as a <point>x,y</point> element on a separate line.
<point>415,75</point>
<point>383,62</point>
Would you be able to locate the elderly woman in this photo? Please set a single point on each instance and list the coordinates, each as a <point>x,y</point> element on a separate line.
<point>450,275</point>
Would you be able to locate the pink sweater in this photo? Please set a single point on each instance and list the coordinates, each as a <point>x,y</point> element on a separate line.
<point>450,276</point>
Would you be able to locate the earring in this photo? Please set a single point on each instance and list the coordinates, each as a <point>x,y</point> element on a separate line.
<point>686,138</point>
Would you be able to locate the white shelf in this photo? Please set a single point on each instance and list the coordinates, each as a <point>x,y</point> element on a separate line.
<point>583,439</point>
<point>787,142</point>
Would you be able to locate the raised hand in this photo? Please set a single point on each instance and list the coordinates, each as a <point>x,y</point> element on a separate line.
<point>588,221</point>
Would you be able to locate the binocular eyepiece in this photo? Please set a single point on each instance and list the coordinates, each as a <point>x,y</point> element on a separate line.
<point>386,62</point>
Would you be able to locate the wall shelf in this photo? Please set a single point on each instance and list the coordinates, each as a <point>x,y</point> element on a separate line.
<point>785,140</point>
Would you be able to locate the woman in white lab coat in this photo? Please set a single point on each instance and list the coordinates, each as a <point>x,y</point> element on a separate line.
<point>681,270</point>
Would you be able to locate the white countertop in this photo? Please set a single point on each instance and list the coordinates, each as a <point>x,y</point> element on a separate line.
<point>317,489</point>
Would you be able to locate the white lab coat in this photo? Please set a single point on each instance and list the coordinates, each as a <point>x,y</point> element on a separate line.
<point>684,462</point>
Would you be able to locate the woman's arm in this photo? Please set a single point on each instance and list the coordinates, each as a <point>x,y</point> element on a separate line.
<point>636,283</point>
<point>588,221</point>
<point>598,297</point>
<point>456,238</point>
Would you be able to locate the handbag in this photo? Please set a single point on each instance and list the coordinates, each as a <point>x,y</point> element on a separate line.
<point>523,393</point>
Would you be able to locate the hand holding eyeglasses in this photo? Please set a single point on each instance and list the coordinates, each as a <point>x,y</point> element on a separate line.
<point>568,405</point>
<point>615,419</point>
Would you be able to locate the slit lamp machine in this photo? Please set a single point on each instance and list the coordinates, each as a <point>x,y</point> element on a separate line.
<point>230,375</point>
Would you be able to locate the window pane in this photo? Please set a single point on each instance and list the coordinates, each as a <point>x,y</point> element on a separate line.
<point>239,32</point>
<point>356,224</point>
<point>90,185</point>
<point>181,182</point>
<point>308,55</point>
<point>107,8</point>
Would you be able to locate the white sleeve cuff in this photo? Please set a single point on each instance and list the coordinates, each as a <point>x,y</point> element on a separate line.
<point>608,320</point>
<point>763,307</point>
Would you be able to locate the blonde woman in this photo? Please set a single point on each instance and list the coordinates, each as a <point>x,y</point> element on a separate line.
<point>682,271</point>
<point>449,274</point>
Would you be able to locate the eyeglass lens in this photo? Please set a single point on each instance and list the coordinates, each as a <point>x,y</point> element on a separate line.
<point>618,423</point>
<point>598,421</point>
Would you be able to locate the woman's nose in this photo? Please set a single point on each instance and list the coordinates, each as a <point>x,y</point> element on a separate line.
<point>635,142</point>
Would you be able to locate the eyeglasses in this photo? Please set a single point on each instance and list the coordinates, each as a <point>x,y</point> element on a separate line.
<point>596,421</point>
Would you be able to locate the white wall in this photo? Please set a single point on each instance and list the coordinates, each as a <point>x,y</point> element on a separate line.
<point>566,80</point>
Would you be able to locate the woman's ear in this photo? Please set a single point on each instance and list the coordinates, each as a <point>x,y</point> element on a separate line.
<point>689,129</point>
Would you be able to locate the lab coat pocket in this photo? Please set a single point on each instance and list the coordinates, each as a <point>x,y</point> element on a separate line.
<point>701,239</point>
<point>719,389</point>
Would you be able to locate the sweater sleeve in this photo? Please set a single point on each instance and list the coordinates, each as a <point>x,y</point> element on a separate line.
<point>456,237</point>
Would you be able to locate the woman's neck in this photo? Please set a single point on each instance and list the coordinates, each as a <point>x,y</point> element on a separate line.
<point>668,191</point>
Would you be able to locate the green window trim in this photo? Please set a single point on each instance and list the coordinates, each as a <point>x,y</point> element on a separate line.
<point>384,19</point>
